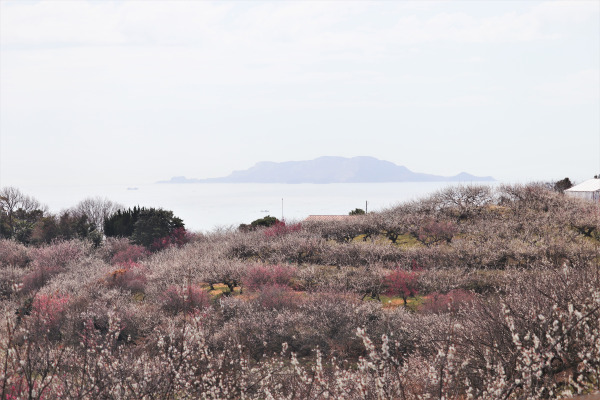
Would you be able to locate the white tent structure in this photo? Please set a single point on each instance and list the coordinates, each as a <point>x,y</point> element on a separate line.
<point>589,190</point>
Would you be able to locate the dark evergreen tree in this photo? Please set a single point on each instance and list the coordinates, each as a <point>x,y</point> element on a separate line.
<point>142,225</point>
<point>357,211</point>
<point>264,222</point>
<point>122,223</point>
<point>563,185</point>
<point>153,224</point>
<point>22,224</point>
<point>66,226</point>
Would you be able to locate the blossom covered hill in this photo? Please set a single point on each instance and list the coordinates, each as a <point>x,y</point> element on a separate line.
<point>472,292</point>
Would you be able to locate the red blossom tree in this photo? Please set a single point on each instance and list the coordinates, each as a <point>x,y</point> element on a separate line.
<point>132,253</point>
<point>280,228</point>
<point>178,238</point>
<point>402,283</point>
<point>48,312</point>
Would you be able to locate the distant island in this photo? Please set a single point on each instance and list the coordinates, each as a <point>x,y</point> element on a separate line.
<point>330,170</point>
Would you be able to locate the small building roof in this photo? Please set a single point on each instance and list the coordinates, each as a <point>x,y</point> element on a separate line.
<point>591,185</point>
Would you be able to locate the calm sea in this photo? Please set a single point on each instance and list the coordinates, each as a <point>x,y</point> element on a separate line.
<point>204,207</point>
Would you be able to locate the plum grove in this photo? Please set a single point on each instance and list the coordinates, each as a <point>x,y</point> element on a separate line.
<point>472,292</point>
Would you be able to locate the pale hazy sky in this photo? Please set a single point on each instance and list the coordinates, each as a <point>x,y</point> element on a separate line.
<point>140,91</point>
